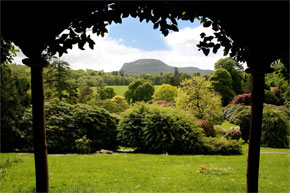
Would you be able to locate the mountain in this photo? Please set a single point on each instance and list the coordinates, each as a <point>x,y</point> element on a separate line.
<point>153,66</point>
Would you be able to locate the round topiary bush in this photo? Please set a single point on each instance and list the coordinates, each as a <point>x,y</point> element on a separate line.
<point>155,129</point>
<point>66,124</point>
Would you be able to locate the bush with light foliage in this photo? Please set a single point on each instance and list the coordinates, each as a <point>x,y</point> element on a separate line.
<point>197,96</point>
<point>117,104</point>
<point>222,146</point>
<point>165,92</point>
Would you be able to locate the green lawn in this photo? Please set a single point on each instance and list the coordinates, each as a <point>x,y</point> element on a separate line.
<point>227,125</point>
<point>128,172</point>
<point>119,90</point>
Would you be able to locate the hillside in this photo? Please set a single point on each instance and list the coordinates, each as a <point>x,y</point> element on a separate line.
<point>153,66</point>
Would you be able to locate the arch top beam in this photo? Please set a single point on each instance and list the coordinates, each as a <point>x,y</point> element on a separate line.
<point>243,29</point>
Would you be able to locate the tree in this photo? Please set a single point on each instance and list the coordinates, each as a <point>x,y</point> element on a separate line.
<point>105,93</point>
<point>165,92</point>
<point>121,73</point>
<point>14,100</point>
<point>86,94</point>
<point>221,81</point>
<point>175,81</point>
<point>8,51</point>
<point>57,79</point>
<point>235,69</point>
<point>139,90</point>
<point>198,96</point>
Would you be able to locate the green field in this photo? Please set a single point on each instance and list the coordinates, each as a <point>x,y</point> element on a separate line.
<point>119,90</point>
<point>129,172</point>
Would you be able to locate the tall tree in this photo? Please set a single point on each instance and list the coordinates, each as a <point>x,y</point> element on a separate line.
<point>139,90</point>
<point>57,79</point>
<point>222,83</point>
<point>198,96</point>
<point>175,81</point>
<point>14,100</point>
<point>86,94</point>
<point>235,69</point>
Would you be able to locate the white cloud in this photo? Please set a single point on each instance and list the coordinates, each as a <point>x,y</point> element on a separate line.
<point>110,54</point>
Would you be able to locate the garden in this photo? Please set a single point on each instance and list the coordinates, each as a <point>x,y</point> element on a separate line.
<point>190,136</point>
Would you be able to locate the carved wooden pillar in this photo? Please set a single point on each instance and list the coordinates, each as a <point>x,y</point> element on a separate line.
<point>38,114</point>
<point>256,126</point>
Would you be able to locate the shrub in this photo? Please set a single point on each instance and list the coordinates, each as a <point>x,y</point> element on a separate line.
<point>233,133</point>
<point>162,103</point>
<point>275,128</point>
<point>222,146</point>
<point>242,99</point>
<point>155,129</point>
<point>117,104</point>
<point>277,92</point>
<point>219,131</point>
<point>165,92</point>
<point>83,145</point>
<point>207,130</point>
<point>239,115</point>
<point>267,87</point>
<point>275,123</point>
<point>86,94</point>
<point>67,123</point>
<point>270,98</point>
<point>285,108</point>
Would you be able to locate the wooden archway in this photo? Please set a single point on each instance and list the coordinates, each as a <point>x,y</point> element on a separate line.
<point>255,32</point>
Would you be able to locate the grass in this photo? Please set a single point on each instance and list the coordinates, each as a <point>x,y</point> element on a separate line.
<point>227,125</point>
<point>119,90</point>
<point>128,172</point>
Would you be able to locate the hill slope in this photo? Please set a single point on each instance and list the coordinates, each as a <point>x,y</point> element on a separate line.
<point>153,66</point>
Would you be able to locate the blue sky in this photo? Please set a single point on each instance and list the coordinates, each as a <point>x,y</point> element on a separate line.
<point>133,40</point>
<point>141,34</point>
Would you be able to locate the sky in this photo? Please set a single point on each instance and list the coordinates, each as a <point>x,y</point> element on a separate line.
<point>132,40</point>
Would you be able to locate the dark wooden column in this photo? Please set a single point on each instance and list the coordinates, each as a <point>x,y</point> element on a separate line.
<point>39,131</point>
<point>255,128</point>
